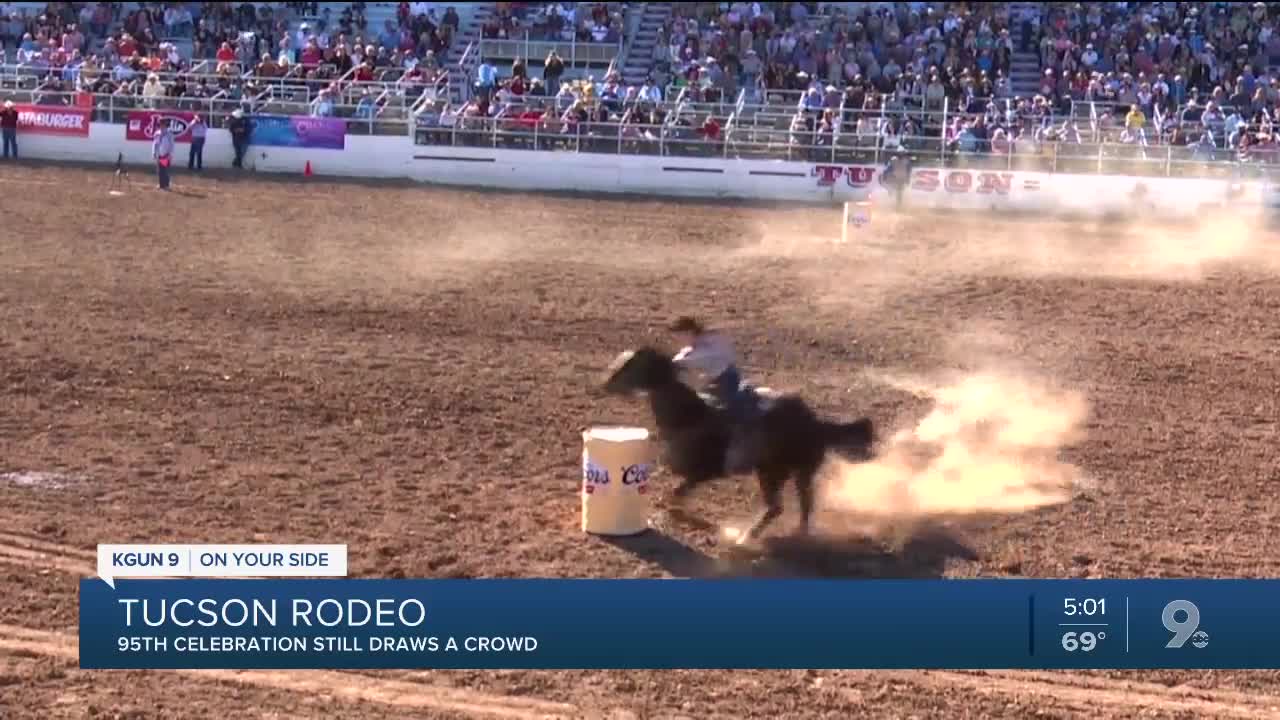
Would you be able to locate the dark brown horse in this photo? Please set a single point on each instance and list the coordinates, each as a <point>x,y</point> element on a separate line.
<point>791,441</point>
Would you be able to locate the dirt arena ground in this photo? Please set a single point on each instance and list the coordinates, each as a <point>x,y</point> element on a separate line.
<point>407,370</point>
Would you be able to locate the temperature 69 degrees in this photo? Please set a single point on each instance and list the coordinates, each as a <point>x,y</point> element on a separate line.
<point>1084,624</point>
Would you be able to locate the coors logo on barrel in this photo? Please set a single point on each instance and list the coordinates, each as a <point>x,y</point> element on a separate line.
<point>593,474</point>
<point>635,474</point>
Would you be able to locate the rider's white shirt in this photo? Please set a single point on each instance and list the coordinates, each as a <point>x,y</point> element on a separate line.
<point>710,355</point>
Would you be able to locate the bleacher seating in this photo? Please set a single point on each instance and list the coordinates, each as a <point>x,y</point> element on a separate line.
<point>1199,75</point>
<point>910,76</point>
<point>362,60</point>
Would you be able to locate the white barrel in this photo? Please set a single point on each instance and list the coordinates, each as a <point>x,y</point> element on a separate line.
<point>616,462</point>
<point>856,215</point>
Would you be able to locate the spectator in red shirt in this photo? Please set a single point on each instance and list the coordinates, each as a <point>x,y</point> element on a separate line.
<point>711,129</point>
<point>226,55</point>
<point>311,55</point>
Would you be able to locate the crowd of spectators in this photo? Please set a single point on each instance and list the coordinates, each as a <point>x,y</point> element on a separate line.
<point>1142,74</point>
<point>1197,74</point>
<point>563,21</point>
<point>236,52</point>
<point>900,48</point>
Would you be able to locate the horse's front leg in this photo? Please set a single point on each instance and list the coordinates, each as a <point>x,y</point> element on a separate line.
<point>682,491</point>
<point>771,489</point>
<point>676,505</point>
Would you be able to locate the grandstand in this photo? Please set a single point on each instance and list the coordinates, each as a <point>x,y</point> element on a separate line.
<point>1012,84</point>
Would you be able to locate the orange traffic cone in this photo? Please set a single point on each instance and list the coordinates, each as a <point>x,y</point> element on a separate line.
<point>306,172</point>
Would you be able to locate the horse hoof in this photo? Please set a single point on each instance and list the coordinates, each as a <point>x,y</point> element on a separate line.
<point>684,517</point>
<point>736,554</point>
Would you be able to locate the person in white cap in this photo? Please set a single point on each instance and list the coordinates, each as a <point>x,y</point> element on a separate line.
<point>195,154</point>
<point>9,129</point>
<point>162,152</point>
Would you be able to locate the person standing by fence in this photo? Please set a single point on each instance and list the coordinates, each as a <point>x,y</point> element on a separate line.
<point>162,151</point>
<point>9,129</point>
<point>239,127</point>
<point>195,157</point>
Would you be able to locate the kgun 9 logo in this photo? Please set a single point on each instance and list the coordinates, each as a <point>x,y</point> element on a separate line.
<point>1187,628</point>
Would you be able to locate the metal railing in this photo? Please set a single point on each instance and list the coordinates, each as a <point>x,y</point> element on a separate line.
<point>530,128</point>
<point>384,119</point>
<point>292,93</point>
<point>293,85</point>
<point>745,133</point>
<point>572,52</point>
<point>467,64</point>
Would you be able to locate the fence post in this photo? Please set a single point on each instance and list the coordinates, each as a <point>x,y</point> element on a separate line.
<point>942,153</point>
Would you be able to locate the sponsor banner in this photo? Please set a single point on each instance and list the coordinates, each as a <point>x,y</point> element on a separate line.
<point>964,181</point>
<point>299,131</point>
<point>53,120</point>
<point>144,124</point>
<point>856,176</point>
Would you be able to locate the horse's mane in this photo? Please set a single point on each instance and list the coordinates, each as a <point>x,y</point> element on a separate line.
<point>676,400</point>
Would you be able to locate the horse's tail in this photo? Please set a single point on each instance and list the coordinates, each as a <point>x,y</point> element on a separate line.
<point>852,440</point>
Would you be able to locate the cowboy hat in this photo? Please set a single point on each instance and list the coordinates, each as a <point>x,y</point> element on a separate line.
<point>687,324</point>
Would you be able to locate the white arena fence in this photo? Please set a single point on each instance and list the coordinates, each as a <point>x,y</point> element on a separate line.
<point>751,157</point>
<point>745,131</point>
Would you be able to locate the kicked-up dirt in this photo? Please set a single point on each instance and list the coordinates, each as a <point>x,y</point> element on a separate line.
<point>407,370</point>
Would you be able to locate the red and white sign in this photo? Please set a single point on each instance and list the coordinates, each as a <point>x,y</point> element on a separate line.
<point>144,124</point>
<point>855,176</point>
<point>53,120</point>
<point>962,181</point>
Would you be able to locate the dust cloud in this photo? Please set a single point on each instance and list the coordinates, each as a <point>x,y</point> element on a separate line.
<point>925,247</point>
<point>989,445</point>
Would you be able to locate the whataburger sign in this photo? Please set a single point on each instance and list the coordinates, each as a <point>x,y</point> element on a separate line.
<point>53,120</point>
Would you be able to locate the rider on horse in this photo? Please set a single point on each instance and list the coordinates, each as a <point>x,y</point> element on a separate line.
<point>712,354</point>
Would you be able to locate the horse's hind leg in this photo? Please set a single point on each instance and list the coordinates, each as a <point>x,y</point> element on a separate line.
<point>771,483</point>
<point>804,491</point>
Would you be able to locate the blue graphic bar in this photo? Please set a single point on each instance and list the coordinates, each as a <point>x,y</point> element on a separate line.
<point>660,624</point>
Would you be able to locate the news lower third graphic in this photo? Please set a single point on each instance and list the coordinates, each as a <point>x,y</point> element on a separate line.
<point>292,607</point>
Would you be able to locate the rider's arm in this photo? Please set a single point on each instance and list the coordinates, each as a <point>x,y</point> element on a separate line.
<point>710,355</point>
